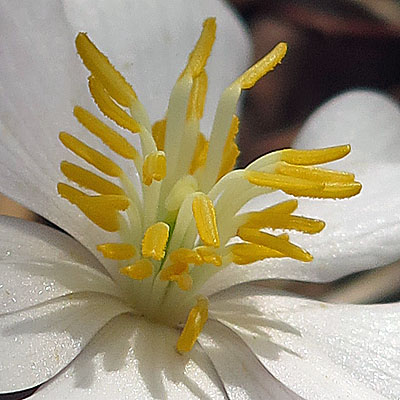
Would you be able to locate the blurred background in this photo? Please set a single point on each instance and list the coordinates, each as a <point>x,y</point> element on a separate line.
<point>334,45</point>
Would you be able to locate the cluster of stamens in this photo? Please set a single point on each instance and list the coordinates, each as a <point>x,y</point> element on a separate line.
<point>175,233</point>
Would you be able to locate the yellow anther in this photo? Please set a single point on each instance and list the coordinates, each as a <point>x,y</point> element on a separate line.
<point>109,108</point>
<point>154,241</point>
<point>204,215</point>
<point>313,173</point>
<point>184,281</point>
<point>199,56</point>
<point>98,160</point>
<point>247,253</point>
<point>200,154</point>
<point>339,190</point>
<point>194,324</point>
<point>313,157</point>
<point>158,131</point>
<point>102,210</point>
<point>273,242</point>
<point>209,256</point>
<point>288,184</point>
<point>117,251</point>
<point>182,188</point>
<point>140,270</point>
<point>197,97</point>
<point>262,67</point>
<point>231,151</point>
<point>89,180</point>
<point>172,270</point>
<point>110,138</point>
<point>285,207</point>
<point>99,65</point>
<point>154,167</point>
<point>186,256</point>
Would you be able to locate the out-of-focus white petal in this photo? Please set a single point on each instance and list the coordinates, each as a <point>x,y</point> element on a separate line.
<point>242,374</point>
<point>149,42</point>
<point>134,358</point>
<point>368,121</point>
<point>38,263</point>
<point>321,351</point>
<point>361,233</point>
<point>38,342</point>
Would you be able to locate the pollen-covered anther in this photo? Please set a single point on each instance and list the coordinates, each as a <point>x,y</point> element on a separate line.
<point>158,132</point>
<point>209,256</point>
<point>280,244</point>
<point>154,241</point>
<point>179,273</point>
<point>247,253</point>
<point>117,251</point>
<point>186,256</point>
<point>200,154</point>
<point>102,210</point>
<point>154,167</point>
<point>206,222</point>
<point>99,65</point>
<point>140,270</point>
<point>197,97</point>
<point>194,324</point>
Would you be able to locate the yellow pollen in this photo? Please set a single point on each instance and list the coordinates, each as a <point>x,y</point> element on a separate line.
<point>209,256</point>
<point>109,137</point>
<point>199,56</point>
<point>262,67</point>
<point>314,157</point>
<point>140,270</point>
<point>186,256</point>
<point>158,131</point>
<point>231,150</point>
<point>174,269</point>
<point>275,243</point>
<point>247,253</point>
<point>154,167</point>
<point>102,210</point>
<point>197,97</point>
<point>89,180</point>
<point>117,251</point>
<point>109,108</point>
<point>200,154</point>
<point>99,65</point>
<point>154,241</point>
<point>194,324</point>
<point>204,215</point>
<point>98,160</point>
<point>339,190</point>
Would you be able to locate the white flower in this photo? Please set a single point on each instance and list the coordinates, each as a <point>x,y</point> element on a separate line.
<point>69,317</point>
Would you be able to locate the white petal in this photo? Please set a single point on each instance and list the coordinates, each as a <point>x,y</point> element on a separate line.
<point>37,343</point>
<point>361,233</point>
<point>243,375</point>
<point>149,42</point>
<point>132,358</point>
<point>321,351</point>
<point>38,263</point>
<point>369,121</point>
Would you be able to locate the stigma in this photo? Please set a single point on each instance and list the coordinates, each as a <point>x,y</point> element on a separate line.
<point>175,231</point>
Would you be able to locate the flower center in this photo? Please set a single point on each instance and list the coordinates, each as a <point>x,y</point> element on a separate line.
<point>175,231</point>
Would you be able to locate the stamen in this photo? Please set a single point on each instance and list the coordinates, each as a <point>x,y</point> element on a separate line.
<point>154,167</point>
<point>194,324</point>
<point>279,244</point>
<point>89,180</point>
<point>99,65</point>
<point>200,154</point>
<point>109,108</point>
<point>102,210</point>
<point>314,157</point>
<point>314,174</point>
<point>109,137</point>
<point>197,97</point>
<point>117,251</point>
<point>204,215</point>
<point>177,273</point>
<point>199,56</point>
<point>209,256</point>
<point>247,253</point>
<point>231,150</point>
<point>98,160</point>
<point>339,190</point>
<point>140,270</point>
<point>262,67</point>
<point>158,131</point>
<point>154,241</point>
<point>186,256</point>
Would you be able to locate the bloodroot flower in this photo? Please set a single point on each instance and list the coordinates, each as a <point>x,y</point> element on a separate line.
<point>141,304</point>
